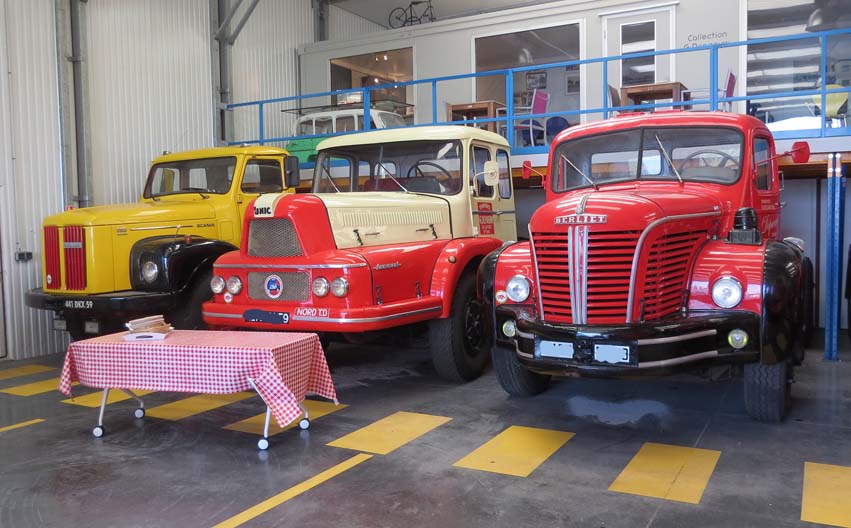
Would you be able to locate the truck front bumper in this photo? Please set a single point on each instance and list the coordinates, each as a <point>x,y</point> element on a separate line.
<point>675,343</point>
<point>103,306</point>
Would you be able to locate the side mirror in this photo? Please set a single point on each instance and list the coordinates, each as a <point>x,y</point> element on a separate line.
<point>491,173</point>
<point>292,175</point>
<point>527,170</point>
<point>800,152</point>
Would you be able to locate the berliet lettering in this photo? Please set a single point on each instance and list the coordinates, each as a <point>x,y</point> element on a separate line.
<point>581,219</point>
<point>390,265</point>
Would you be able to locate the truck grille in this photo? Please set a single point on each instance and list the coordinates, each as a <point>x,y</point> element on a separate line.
<point>51,258</point>
<point>74,245</point>
<point>668,265</point>
<point>273,237</point>
<point>295,286</point>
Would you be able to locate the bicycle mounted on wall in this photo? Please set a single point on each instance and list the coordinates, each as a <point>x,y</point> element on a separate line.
<point>407,16</point>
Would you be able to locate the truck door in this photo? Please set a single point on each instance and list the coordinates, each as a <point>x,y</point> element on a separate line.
<point>766,187</point>
<point>492,207</point>
<point>261,175</point>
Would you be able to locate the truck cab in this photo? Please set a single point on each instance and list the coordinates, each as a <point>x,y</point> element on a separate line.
<point>104,265</point>
<point>392,235</point>
<point>657,250</point>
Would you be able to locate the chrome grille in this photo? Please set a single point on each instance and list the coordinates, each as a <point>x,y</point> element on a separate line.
<point>273,237</point>
<point>668,265</point>
<point>295,286</point>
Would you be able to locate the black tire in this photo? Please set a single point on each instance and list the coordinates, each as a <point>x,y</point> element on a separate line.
<point>767,394</point>
<point>807,314</point>
<point>188,316</point>
<point>514,378</point>
<point>458,348</point>
<point>398,17</point>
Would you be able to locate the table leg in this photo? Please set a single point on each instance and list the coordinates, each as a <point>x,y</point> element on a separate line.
<point>98,430</point>
<point>263,443</point>
<point>304,423</point>
<point>140,412</point>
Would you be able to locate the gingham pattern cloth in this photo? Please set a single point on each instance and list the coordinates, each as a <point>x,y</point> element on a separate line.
<point>284,366</point>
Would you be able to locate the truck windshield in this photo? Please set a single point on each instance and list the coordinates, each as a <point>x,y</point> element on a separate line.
<point>695,154</point>
<point>210,175</point>
<point>407,166</point>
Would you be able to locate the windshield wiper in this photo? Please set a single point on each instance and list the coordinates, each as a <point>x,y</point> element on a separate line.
<point>589,180</point>
<point>330,179</point>
<point>668,159</point>
<point>380,157</point>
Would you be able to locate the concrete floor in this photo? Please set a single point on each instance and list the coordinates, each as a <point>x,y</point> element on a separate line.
<point>193,472</point>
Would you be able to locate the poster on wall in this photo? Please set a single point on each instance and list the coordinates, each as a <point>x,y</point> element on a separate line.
<point>536,80</point>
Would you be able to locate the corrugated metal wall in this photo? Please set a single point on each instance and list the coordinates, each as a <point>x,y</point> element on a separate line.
<point>344,25</point>
<point>149,88</point>
<point>30,172</point>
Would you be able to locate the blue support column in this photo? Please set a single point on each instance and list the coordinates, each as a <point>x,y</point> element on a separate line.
<point>833,286</point>
<point>509,109</point>
<point>367,106</point>
<point>261,123</point>
<point>434,104</point>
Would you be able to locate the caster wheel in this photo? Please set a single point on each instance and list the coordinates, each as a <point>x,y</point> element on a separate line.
<point>139,413</point>
<point>97,431</point>
<point>304,424</point>
<point>263,444</point>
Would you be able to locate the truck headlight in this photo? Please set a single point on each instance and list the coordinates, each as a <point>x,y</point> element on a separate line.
<point>727,292</point>
<point>320,286</point>
<point>150,271</point>
<point>339,287</point>
<point>217,284</point>
<point>518,288</point>
<point>234,285</point>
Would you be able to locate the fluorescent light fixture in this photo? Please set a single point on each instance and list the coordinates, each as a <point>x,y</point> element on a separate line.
<point>638,47</point>
<point>643,68</point>
<point>786,70</point>
<point>776,32</point>
<point>758,5</point>
<point>812,51</point>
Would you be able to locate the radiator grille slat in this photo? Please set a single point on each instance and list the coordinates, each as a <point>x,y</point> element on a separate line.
<point>295,286</point>
<point>74,244</point>
<point>273,237</point>
<point>668,262</point>
<point>52,268</point>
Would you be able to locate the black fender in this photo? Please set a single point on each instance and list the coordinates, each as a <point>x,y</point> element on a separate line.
<point>782,289</point>
<point>485,279</point>
<point>180,260</point>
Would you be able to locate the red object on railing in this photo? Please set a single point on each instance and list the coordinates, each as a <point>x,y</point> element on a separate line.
<point>75,258</point>
<point>53,274</point>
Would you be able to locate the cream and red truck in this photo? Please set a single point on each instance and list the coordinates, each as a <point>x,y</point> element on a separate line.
<point>657,249</point>
<point>107,264</point>
<point>391,236</point>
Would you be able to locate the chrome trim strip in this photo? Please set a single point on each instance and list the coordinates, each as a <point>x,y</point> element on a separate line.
<point>537,273</point>
<point>674,339</point>
<point>494,213</point>
<point>638,246</point>
<point>571,276</point>
<point>583,260</point>
<point>289,266</point>
<point>154,228</point>
<point>678,360</point>
<point>582,204</point>
<point>221,315</point>
<point>72,245</point>
<point>364,319</point>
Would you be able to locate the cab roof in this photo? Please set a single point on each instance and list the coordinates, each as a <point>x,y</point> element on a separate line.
<point>438,132</point>
<point>219,152</point>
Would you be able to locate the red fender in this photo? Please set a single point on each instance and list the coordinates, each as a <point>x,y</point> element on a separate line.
<point>451,263</point>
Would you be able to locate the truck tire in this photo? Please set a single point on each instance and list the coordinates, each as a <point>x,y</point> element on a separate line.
<point>457,342</point>
<point>807,303</point>
<point>188,316</point>
<point>514,378</point>
<point>767,394</point>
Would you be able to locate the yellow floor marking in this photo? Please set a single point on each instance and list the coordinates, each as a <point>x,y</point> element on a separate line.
<point>94,399</point>
<point>316,409</point>
<point>516,451</point>
<point>668,472</point>
<point>25,370</point>
<point>22,424</point>
<point>195,405</point>
<point>827,494</point>
<point>389,433</point>
<point>38,387</point>
<point>293,492</point>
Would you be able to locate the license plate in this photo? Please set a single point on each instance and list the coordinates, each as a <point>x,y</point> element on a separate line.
<point>615,354</point>
<point>74,304</point>
<point>262,316</point>
<point>556,349</point>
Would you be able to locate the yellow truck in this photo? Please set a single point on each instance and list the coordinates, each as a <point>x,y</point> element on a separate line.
<point>104,265</point>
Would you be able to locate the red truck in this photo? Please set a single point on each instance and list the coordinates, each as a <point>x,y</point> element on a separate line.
<point>657,250</point>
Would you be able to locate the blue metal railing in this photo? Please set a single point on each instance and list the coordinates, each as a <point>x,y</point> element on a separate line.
<point>712,101</point>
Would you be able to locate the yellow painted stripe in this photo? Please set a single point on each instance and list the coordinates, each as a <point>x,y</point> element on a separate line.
<point>295,491</point>
<point>827,494</point>
<point>19,425</point>
<point>25,370</point>
<point>516,451</point>
<point>38,387</point>
<point>668,472</point>
<point>94,399</point>
<point>390,433</point>
<point>254,425</point>
<point>195,405</point>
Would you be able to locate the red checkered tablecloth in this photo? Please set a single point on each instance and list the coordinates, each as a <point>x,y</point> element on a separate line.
<point>284,366</point>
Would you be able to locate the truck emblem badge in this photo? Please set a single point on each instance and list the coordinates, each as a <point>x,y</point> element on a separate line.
<point>389,265</point>
<point>581,219</point>
<point>273,286</point>
<point>262,211</point>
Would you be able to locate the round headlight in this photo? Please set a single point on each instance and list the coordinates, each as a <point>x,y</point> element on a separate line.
<point>518,288</point>
<point>727,292</point>
<point>217,284</point>
<point>320,287</point>
<point>234,285</point>
<point>339,287</point>
<point>150,271</point>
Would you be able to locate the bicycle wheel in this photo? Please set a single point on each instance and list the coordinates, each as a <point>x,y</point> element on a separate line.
<point>428,13</point>
<point>398,17</point>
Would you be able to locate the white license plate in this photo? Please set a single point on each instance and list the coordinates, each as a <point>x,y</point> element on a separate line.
<point>615,354</point>
<point>556,349</point>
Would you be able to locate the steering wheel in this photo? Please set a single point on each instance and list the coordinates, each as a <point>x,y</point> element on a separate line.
<point>443,176</point>
<point>723,155</point>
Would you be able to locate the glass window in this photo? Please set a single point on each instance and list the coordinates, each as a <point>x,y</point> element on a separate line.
<point>305,127</point>
<point>504,174</point>
<point>370,69</point>
<point>761,153</point>
<point>334,174</point>
<point>212,175</point>
<point>262,176</point>
<point>477,168</point>
<point>324,125</point>
<point>345,123</point>
<point>638,38</point>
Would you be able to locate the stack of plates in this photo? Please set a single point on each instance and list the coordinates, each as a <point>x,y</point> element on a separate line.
<point>147,328</point>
